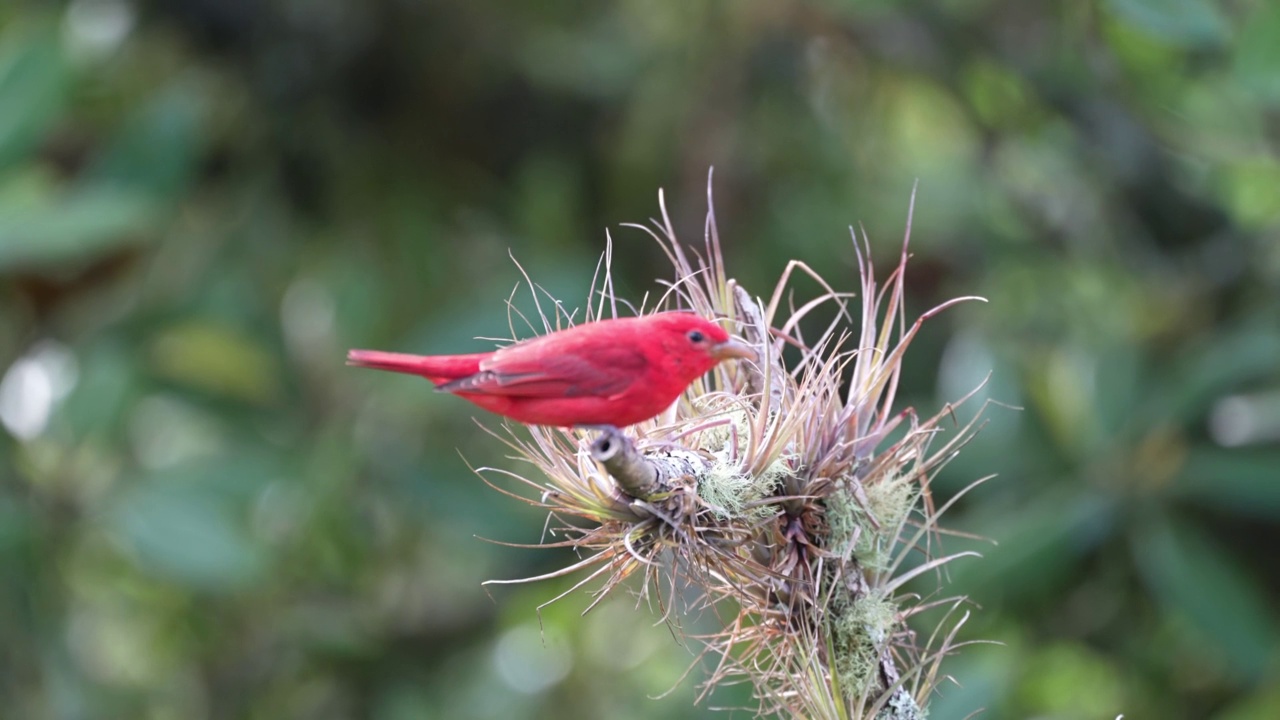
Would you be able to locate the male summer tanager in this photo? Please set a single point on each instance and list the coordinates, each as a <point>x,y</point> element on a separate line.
<point>610,372</point>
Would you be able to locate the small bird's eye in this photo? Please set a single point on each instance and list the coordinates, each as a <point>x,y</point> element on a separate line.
<point>696,336</point>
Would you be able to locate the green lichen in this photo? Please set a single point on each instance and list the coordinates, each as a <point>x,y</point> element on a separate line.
<point>729,492</point>
<point>842,519</point>
<point>869,529</point>
<point>861,628</point>
<point>732,494</point>
<point>902,707</point>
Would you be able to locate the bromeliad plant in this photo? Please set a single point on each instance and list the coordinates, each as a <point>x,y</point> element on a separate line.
<point>792,496</point>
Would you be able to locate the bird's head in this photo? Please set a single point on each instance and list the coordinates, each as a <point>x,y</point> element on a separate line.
<point>695,345</point>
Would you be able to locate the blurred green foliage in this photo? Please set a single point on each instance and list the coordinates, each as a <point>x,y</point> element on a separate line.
<point>203,514</point>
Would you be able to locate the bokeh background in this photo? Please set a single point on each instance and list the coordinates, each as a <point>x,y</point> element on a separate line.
<point>203,203</point>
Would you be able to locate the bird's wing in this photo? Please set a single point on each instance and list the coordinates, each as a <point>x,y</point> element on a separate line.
<point>559,369</point>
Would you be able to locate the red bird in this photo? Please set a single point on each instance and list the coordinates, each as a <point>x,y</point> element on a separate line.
<point>611,372</point>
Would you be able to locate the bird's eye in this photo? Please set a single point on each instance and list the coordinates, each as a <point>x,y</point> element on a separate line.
<point>696,336</point>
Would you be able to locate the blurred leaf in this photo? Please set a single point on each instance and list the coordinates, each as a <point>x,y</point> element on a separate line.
<point>1052,678</point>
<point>34,79</point>
<point>997,95</point>
<point>1262,705</point>
<point>1230,359</point>
<point>1181,22</point>
<point>1243,481</point>
<point>1117,389</point>
<point>1258,53</point>
<point>1145,54</point>
<point>1202,583</point>
<point>48,228</point>
<point>1224,125</point>
<point>115,202</point>
<point>1039,544</point>
<point>100,399</point>
<point>1249,189</point>
<point>217,358</point>
<point>549,202</point>
<point>15,526</point>
<point>405,701</point>
<point>155,150</point>
<point>602,64</point>
<point>235,477</point>
<point>177,532</point>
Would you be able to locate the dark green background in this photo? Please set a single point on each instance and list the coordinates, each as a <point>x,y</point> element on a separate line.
<point>204,203</point>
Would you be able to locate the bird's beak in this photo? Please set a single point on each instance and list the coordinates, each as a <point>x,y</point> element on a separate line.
<point>733,348</point>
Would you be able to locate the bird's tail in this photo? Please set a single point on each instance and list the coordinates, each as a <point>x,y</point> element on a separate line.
<point>436,368</point>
